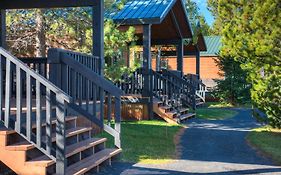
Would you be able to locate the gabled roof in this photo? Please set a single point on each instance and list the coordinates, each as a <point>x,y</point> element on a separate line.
<point>213,44</point>
<point>143,12</point>
<point>168,18</point>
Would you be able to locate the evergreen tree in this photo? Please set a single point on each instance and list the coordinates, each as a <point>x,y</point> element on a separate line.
<point>251,34</point>
<point>32,32</point>
<point>234,88</point>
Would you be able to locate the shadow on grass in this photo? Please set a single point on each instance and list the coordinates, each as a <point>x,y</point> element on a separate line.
<point>146,141</point>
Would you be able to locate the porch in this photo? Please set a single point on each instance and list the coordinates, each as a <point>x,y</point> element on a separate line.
<point>51,108</point>
<point>169,94</point>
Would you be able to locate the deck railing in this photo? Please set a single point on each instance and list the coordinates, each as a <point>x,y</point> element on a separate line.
<point>38,64</point>
<point>132,84</point>
<point>166,90</point>
<point>201,88</point>
<point>56,100</point>
<point>19,74</point>
<point>188,89</point>
<point>90,91</point>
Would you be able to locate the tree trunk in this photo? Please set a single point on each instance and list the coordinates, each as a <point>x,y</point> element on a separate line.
<point>40,50</point>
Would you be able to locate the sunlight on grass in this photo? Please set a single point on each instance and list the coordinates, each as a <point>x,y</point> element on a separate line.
<point>219,105</point>
<point>215,113</point>
<point>268,141</point>
<point>149,142</point>
<point>226,105</point>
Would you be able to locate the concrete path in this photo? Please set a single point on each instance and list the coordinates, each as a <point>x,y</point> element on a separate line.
<point>215,147</point>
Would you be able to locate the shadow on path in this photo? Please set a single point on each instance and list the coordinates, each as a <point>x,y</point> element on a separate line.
<point>210,147</point>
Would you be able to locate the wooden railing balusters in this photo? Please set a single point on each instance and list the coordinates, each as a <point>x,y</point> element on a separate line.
<point>60,135</point>
<point>109,108</point>
<point>48,121</point>
<point>38,114</point>
<point>7,92</point>
<point>19,99</point>
<point>28,106</point>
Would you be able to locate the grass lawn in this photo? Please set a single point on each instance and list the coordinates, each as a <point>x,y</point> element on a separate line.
<point>214,113</point>
<point>146,141</point>
<point>268,141</point>
<point>226,105</point>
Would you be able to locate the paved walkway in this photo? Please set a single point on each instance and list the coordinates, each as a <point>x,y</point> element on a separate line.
<point>211,148</point>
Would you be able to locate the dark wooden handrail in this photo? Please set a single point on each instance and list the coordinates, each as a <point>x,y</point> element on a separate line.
<point>36,60</point>
<point>81,80</point>
<point>187,88</point>
<point>43,89</point>
<point>91,75</point>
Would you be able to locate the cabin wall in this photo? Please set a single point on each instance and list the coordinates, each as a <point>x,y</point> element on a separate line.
<point>208,68</point>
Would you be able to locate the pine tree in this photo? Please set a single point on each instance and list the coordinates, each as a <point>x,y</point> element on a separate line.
<point>234,88</point>
<point>251,34</point>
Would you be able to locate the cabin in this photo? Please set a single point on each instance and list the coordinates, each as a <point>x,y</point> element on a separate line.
<point>162,28</point>
<point>52,108</point>
<point>208,67</point>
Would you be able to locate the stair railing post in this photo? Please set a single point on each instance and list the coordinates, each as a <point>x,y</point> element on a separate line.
<point>54,61</point>
<point>117,139</point>
<point>60,135</point>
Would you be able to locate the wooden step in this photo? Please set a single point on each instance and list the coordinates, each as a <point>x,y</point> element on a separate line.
<point>72,132</point>
<point>53,122</point>
<point>83,145</point>
<point>25,145</point>
<point>6,131</point>
<point>45,161</point>
<point>184,110</point>
<point>165,108</point>
<point>89,163</point>
<point>42,161</point>
<point>172,113</point>
<point>187,116</point>
<point>20,146</point>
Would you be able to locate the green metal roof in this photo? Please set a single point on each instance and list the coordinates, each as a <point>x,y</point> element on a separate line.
<point>213,44</point>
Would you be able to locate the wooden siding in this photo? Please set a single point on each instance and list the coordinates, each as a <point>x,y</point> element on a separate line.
<point>208,68</point>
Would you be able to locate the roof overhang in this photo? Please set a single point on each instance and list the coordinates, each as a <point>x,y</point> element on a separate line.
<point>172,25</point>
<point>28,4</point>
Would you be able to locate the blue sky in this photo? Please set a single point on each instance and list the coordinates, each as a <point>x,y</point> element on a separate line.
<point>202,4</point>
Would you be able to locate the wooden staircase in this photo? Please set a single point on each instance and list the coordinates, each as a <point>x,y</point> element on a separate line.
<point>25,159</point>
<point>48,126</point>
<point>83,152</point>
<point>171,114</point>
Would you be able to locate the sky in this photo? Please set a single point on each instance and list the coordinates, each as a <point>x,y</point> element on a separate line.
<point>202,4</point>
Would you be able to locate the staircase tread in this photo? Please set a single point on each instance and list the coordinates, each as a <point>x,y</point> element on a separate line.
<point>185,116</point>
<point>20,146</point>
<point>53,121</point>
<point>70,132</point>
<point>25,145</point>
<point>88,163</point>
<point>44,161</point>
<point>184,109</point>
<point>83,145</point>
<point>165,107</point>
<point>6,131</point>
<point>70,150</point>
